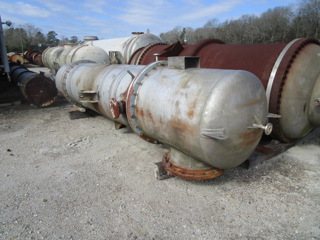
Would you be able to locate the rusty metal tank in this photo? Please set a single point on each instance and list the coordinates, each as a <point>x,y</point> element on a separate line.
<point>289,72</point>
<point>36,88</point>
<point>15,58</point>
<point>34,57</point>
<point>211,119</point>
<point>123,48</point>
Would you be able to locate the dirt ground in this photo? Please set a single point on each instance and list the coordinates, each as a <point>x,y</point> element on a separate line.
<point>82,179</point>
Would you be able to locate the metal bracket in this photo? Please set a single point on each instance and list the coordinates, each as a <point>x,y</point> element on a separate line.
<point>218,133</point>
<point>88,96</point>
<point>273,115</point>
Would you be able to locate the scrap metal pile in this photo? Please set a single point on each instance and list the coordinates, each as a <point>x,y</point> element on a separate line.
<point>210,102</point>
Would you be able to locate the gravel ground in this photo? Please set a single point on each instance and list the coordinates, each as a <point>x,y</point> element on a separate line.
<point>82,179</point>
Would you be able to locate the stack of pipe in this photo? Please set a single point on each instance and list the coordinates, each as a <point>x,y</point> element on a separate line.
<point>117,50</point>
<point>34,57</point>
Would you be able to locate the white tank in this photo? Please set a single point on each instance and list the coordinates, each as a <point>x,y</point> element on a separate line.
<point>50,55</point>
<point>87,52</point>
<point>61,60</point>
<point>55,57</point>
<point>126,46</point>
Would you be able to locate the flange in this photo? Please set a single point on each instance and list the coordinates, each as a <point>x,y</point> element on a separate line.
<point>132,95</point>
<point>190,174</point>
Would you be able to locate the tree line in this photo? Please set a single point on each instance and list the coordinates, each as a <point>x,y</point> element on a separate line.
<point>278,25</point>
<point>27,36</point>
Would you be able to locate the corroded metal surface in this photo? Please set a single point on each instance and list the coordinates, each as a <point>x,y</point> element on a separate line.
<point>289,72</point>
<point>193,110</point>
<point>15,58</point>
<point>114,108</point>
<point>36,88</point>
<point>189,174</point>
<point>34,57</point>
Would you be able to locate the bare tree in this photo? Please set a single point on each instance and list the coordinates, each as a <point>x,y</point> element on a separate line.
<point>172,36</point>
<point>308,19</point>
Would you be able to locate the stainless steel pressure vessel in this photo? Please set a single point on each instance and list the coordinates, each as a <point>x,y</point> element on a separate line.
<point>126,46</point>
<point>211,119</point>
<point>56,57</point>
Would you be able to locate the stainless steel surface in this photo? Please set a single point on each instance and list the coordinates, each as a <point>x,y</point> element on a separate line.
<point>87,52</point>
<point>177,107</point>
<point>106,81</point>
<point>126,46</point>
<point>181,107</point>
<point>54,58</point>
<point>62,57</point>
<point>50,57</point>
<point>299,113</point>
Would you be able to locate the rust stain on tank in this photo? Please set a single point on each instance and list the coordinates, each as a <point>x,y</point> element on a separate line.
<point>250,103</point>
<point>251,142</point>
<point>192,107</point>
<point>191,113</point>
<point>181,127</point>
<point>250,133</point>
<point>143,114</point>
<point>251,137</point>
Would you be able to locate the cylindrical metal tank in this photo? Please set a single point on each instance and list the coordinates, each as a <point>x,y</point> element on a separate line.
<point>289,73</point>
<point>15,58</point>
<point>50,57</point>
<point>34,57</point>
<point>37,59</point>
<point>56,57</point>
<point>61,58</point>
<point>211,119</point>
<point>36,88</point>
<point>126,46</point>
<point>87,52</point>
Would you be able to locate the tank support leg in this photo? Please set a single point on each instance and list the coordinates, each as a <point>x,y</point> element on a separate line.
<point>184,166</point>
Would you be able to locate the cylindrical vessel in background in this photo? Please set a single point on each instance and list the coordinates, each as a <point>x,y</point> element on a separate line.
<point>36,88</point>
<point>15,58</point>
<point>54,58</point>
<point>126,46</point>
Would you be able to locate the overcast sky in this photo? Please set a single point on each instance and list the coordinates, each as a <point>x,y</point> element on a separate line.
<point>111,19</point>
